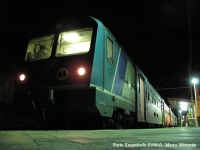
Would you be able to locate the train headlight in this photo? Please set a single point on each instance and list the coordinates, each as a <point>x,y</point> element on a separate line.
<point>81,71</point>
<point>22,77</point>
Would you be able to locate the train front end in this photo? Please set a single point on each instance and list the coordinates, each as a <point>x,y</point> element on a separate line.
<point>53,83</point>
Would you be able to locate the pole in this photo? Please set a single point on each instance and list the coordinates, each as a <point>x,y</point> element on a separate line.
<point>190,57</point>
<point>191,95</point>
<point>196,109</point>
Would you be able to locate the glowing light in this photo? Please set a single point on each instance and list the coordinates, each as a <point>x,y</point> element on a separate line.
<point>183,107</point>
<point>77,48</point>
<point>183,103</point>
<point>22,77</point>
<point>81,71</point>
<point>72,36</point>
<point>194,81</point>
<point>81,47</point>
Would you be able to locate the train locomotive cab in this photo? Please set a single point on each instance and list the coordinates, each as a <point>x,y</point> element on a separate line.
<point>54,78</point>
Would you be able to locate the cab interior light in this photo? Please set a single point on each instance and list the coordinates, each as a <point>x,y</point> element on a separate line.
<point>71,36</point>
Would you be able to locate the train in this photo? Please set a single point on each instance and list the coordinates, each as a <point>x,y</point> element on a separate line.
<point>74,70</point>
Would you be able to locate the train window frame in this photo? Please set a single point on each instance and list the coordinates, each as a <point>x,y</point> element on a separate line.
<point>150,98</point>
<point>77,44</point>
<point>39,48</point>
<point>154,101</point>
<point>130,71</point>
<point>110,50</point>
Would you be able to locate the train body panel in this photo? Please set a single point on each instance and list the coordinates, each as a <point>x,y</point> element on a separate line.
<point>154,109</point>
<point>86,74</point>
<point>148,101</point>
<point>97,76</point>
<point>165,113</point>
<point>114,71</point>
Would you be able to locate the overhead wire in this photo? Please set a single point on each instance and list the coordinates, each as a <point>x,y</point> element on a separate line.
<point>180,74</point>
<point>170,76</point>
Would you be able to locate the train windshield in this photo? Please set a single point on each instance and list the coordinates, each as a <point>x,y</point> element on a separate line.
<point>74,42</point>
<point>39,48</point>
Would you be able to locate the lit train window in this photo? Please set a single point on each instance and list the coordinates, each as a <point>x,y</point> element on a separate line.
<point>154,101</point>
<point>39,48</point>
<point>129,75</point>
<point>150,99</point>
<point>110,53</point>
<point>74,42</point>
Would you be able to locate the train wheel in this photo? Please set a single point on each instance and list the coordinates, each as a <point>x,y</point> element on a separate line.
<point>118,126</point>
<point>104,124</point>
<point>124,123</point>
<point>117,121</point>
<point>107,123</point>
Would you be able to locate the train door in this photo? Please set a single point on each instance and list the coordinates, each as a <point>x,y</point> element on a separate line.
<point>142,99</point>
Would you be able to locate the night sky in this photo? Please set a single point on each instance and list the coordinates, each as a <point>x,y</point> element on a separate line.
<point>155,33</point>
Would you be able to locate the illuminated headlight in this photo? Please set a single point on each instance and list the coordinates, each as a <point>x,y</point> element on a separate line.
<point>22,77</point>
<point>81,71</point>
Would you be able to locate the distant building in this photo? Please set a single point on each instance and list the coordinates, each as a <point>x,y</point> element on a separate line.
<point>184,109</point>
<point>7,82</point>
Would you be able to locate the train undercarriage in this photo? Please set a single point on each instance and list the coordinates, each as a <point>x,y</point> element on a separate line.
<point>65,109</point>
<point>73,120</point>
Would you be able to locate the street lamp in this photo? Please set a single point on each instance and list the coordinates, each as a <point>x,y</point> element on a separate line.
<point>194,81</point>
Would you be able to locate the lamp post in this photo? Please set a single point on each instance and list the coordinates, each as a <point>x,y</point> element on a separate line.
<point>194,81</point>
<point>181,123</point>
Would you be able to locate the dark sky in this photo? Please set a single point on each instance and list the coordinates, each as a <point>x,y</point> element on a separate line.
<point>155,33</point>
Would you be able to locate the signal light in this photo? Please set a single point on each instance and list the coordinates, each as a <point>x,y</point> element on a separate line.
<point>81,71</point>
<point>22,77</point>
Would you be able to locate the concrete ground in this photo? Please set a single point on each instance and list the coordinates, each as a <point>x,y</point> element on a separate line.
<point>161,138</point>
<point>20,132</point>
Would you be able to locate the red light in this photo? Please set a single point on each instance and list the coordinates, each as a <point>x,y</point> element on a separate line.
<point>81,71</point>
<point>22,77</point>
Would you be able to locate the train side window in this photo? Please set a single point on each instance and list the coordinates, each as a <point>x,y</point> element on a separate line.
<point>110,51</point>
<point>150,99</point>
<point>122,68</point>
<point>132,74</point>
<point>129,75</point>
<point>158,104</point>
<point>154,101</point>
